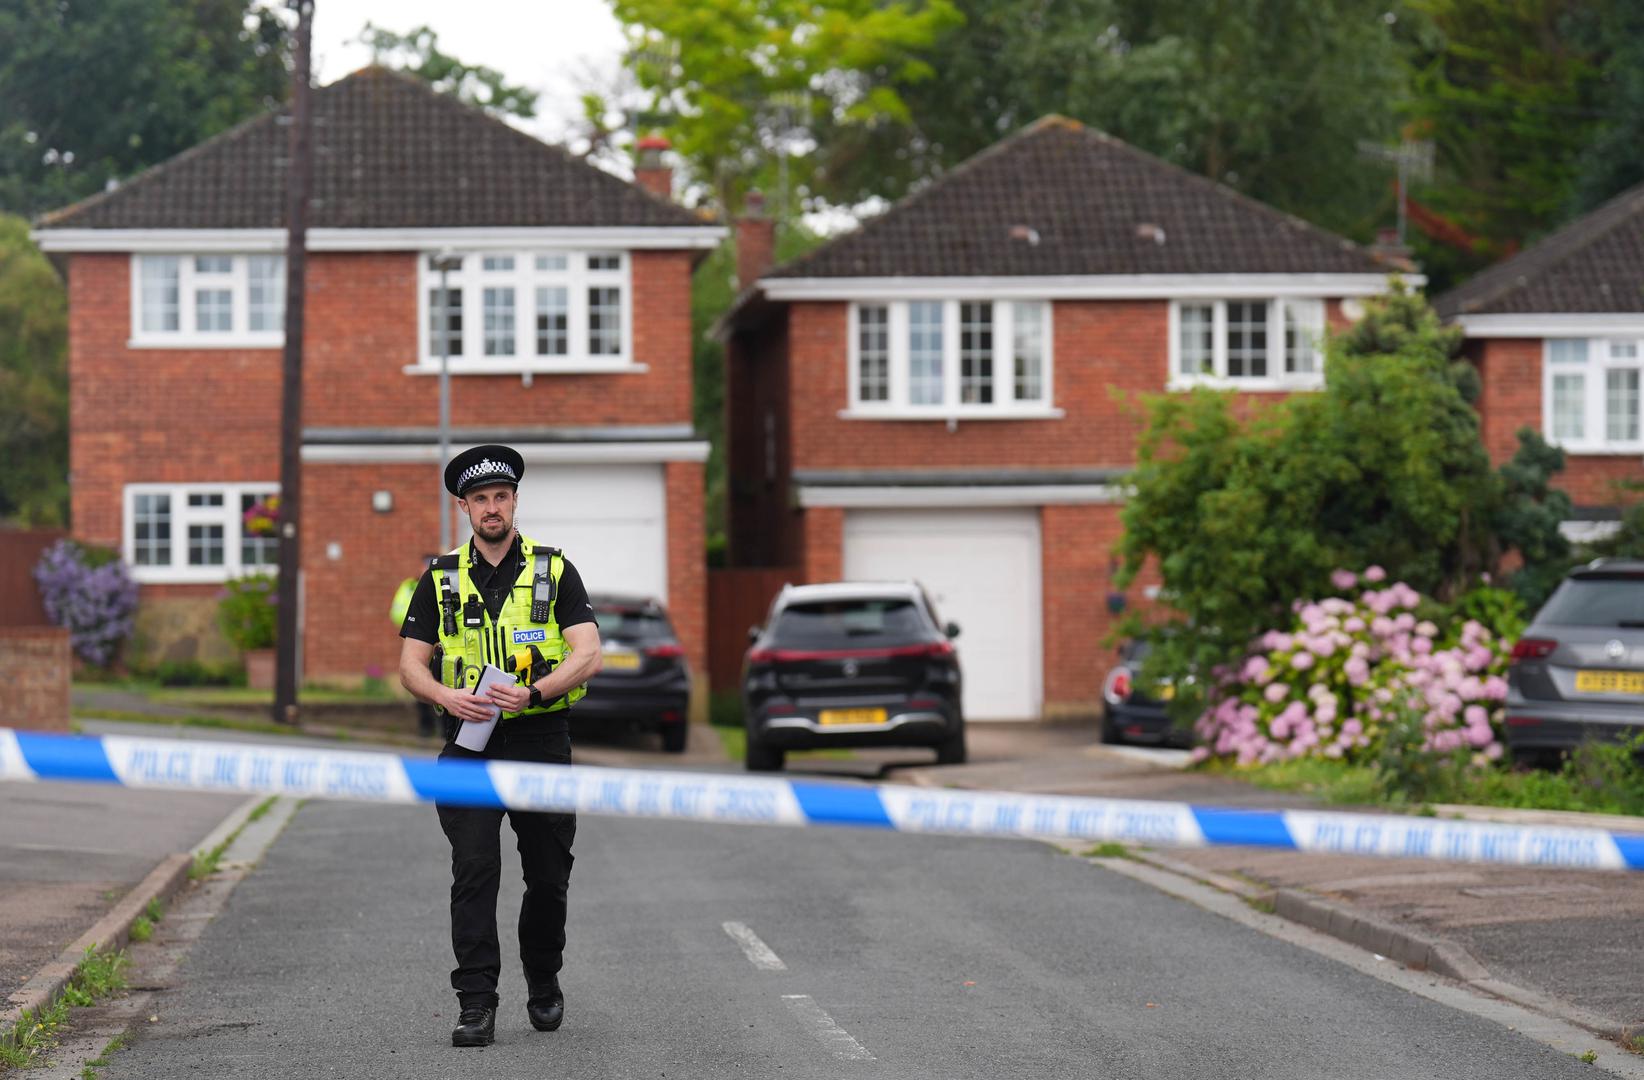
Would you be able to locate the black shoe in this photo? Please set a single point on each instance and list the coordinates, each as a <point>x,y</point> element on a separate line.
<point>477,1026</point>
<point>546,1009</point>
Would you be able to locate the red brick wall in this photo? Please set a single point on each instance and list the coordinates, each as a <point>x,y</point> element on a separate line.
<point>347,628</point>
<point>824,547</point>
<point>35,664</point>
<point>1511,372</point>
<point>687,561</point>
<point>212,415</point>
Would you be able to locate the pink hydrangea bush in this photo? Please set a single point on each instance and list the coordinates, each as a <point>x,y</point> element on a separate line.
<point>1348,668</point>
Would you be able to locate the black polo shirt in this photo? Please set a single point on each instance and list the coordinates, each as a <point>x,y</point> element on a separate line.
<point>422,618</point>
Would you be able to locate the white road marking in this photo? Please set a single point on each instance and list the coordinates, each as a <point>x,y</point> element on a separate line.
<point>759,954</point>
<point>834,1037</point>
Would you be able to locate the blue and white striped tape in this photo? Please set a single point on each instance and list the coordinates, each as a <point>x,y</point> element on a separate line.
<point>309,772</point>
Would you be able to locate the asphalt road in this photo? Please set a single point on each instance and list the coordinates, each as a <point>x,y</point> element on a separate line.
<point>899,957</point>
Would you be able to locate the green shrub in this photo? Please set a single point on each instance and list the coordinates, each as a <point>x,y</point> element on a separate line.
<point>193,673</point>
<point>247,613</point>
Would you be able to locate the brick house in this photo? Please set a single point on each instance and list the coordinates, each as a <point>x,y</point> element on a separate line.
<point>569,334</point>
<point>1557,332</point>
<point>948,392</point>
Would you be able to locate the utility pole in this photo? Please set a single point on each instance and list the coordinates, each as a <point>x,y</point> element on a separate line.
<point>445,262</point>
<point>299,167</point>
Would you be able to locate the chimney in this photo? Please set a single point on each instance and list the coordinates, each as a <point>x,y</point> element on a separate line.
<point>651,172</point>
<point>755,241</point>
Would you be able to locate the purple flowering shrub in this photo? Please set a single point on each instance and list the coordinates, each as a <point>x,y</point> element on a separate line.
<point>89,594</point>
<point>1348,670</point>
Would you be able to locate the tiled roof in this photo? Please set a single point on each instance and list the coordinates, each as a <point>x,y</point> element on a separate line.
<point>1061,199</point>
<point>1593,265</point>
<point>389,152</point>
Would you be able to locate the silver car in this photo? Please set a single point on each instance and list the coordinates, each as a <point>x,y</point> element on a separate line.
<point>1578,670</point>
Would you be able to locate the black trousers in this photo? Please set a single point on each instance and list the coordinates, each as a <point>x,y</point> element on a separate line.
<point>544,842</point>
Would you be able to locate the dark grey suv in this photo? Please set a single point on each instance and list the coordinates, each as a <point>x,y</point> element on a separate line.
<point>1578,670</point>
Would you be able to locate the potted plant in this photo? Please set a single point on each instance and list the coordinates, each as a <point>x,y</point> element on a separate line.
<point>249,618</point>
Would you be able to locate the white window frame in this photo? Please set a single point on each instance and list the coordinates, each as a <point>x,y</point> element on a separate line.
<point>186,336</point>
<point>524,279</point>
<point>1595,373</point>
<point>179,572</point>
<point>1004,406</point>
<point>1276,379</point>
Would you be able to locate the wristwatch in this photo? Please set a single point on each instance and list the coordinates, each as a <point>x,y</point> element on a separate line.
<point>536,698</point>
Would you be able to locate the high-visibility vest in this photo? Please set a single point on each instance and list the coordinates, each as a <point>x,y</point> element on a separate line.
<point>402,601</point>
<point>470,638</point>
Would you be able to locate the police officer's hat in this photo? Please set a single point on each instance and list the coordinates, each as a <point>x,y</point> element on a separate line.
<point>489,464</point>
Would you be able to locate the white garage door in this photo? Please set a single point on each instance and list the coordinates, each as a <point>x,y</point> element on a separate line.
<point>981,568</point>
<point>609,520</point>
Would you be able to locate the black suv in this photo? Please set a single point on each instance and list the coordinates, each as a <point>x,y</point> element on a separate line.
<point>1136,713</point>
<point>851,665</point>
<point>1578,670</point>
<point>645,682</point>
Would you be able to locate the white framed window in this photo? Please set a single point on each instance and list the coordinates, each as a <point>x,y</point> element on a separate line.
<point>1260,344</point>
<point>207,301</point>
<point>529,311</point>
<point>196,533</point>
<point>1591,394</point>
<point>941,359</point>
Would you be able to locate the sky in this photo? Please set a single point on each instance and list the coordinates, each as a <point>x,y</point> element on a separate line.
<point>557,47</point>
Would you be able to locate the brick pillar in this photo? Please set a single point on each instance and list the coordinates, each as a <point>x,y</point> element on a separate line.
<point>824,556</point>
<point>651,172</point>
<point>687,562</point>
<point>755,241</point>
<point>35,664</point>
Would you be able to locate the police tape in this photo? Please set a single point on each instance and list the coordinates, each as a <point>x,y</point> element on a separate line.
<point>365,776</point>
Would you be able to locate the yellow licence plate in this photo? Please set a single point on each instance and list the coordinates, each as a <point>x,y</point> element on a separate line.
<point>1609,682</point>
<point>852,716</point>
<point>622,661</point>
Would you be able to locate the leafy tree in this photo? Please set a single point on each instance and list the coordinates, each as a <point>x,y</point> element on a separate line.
<point>731,80</point>
<point>1269,96</point>
<point>97,90</point>
<point>1536,110</point>
<point>1384,467</point>
<point>417,53</point>
<point>33,382</point>
<point>1528,518</point>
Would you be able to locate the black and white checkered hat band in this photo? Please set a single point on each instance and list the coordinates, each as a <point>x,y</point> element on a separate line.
<point>487,469</point>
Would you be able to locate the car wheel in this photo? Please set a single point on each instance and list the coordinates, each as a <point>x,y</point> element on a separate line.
<point>1109,734</point>
<point>762,758</point>
<point>952,751</point>
<point>673,737</point>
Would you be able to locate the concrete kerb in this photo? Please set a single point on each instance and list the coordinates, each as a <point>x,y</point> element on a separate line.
<point>113,930</point>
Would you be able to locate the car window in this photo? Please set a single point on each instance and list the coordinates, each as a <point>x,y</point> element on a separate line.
<point>1596,602</point>
<point>846,623</point>
<point>634,624</point>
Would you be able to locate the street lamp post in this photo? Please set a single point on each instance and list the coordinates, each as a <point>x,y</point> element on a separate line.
<point>445,262</point>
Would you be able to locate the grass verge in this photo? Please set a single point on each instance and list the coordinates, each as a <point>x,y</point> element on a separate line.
<point>205,864</point>
<point>128,716</point>
<point>97,976</point>
<point>1597,779</point>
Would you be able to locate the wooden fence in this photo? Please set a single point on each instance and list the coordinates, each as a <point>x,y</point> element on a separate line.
<point>20,549</point>
<point>738,599</point>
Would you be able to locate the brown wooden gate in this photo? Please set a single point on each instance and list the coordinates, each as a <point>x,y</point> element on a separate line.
<point>738,599</point>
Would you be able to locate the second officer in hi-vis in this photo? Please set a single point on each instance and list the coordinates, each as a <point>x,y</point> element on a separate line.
<point>506,600</point>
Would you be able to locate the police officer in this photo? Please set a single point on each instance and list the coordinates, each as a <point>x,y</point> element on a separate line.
<point>427,723</point>
<point>502,598</point>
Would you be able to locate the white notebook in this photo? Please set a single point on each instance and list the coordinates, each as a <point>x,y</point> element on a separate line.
<point>474,734</point>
